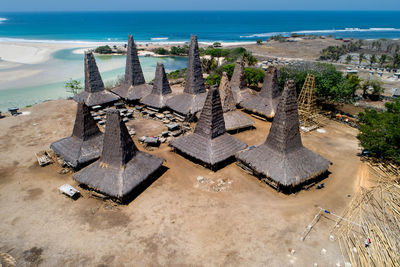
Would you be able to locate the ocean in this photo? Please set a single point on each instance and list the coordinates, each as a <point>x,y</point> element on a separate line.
<point>168,27</point>
<point>210,26</point>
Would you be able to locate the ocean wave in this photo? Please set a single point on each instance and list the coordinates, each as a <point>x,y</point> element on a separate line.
<point>159,38</point>
<point>3,19</point>
<point>322,31</point>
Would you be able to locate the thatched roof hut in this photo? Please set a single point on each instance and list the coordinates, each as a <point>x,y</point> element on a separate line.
<point>238,82</point>
<point>161,90</point>
<point>134,86</point>
<point>209,143</point>
<point>194,94</point>
<point>234,119</point>
<point>94,93</point>
<point>85,143</point>
<point>121,167</point>
<point>282,158</point>
<point>266,101</point>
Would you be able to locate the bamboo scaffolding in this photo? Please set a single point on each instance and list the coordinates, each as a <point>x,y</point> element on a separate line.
<point>377,213</point>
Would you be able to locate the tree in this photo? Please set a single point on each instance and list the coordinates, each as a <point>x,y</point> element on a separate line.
<point>349,58</point>
<point>361,57</point>
<point>380,131</point>
<point>208,65</point>
<point>382,60</point>
<point>73,86</point>
<point>372,60</point>
<point>396,60</point>
<point>259,41</point>
<point>254,76</point>
<point>372,89</point>
<point>217,44</point>
<point>103,50</point>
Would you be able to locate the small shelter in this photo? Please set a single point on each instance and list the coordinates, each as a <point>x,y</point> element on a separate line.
<point>238,82</point>
<point>161,90</point>
<point>234,119</point>
<point>134,86</point>
<point>94,93</point>
<point>266,101</point>
<point>194,94</point>
<point>85,143</point>
<point>282,158</point>
<point>121,167</point>
<point>209,143</point>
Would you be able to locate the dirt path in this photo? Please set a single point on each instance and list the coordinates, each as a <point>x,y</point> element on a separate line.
<point>176,221</point>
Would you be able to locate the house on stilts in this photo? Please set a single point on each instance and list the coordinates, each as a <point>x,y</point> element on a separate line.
<point>282,159</point>
<point>234,119</point>
<point>265,102</point>
<point>161,90</point>
<point>194,94</point>
<point>94,93</point>
<point>134,86</point>
<point>121,167</point>
<point>85,143</point>
<point>209,144</point>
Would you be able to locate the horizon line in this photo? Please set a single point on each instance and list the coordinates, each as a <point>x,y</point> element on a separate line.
<point>203,10</point>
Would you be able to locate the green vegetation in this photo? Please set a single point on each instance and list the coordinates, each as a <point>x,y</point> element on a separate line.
<point>349,58</point>
<point>213,79</point>
<point>330,83</point>
<point>179,51</point>
<point>278,38</point>
<point>177,74</point>
<point>380,132</point>
<point>382,60</point>
<point>208,65</point>
<point>372,89</point>
<point>161,51</point>
<point>217,44</point>
<point>333,53</point>
<point>73,86</point>
<point>231,55</point>
<point>259,41</point>
<point>103,50</point>
<point>254,76</point>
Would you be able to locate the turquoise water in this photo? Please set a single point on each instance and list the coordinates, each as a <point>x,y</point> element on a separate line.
<point>228,26</point>
<point>67,61</point>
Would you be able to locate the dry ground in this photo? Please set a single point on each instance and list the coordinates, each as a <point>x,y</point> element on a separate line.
<point>175,221</point>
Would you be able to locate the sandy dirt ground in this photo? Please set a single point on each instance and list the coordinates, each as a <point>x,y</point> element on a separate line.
<point>176,221</point>
<point>303,49</point>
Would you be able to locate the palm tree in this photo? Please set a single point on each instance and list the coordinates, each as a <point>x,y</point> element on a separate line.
<point>382,60</point>
<point>361,57</point>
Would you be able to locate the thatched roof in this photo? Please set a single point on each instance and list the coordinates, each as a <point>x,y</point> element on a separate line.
<point>161,90</point>
<point>134,86</point>
<point>209,142</point>
<point>194,93</point>
<point>238,82</point>
<point>94,93</point>
<point>121,166</point>
<point>283,158</point>
<point>85,143</point>
<point>266,101</point>
<point>234,119</point>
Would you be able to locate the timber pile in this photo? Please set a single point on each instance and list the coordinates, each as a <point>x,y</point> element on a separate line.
<point>369,233</point>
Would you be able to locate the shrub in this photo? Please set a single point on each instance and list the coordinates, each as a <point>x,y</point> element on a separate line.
<point>254,76</point>
<point>380,131</point>
<point>161,51</point>
<point>103,50</point>
<point>213,79</point>
<point>177,74</point>
<point>73,86</point>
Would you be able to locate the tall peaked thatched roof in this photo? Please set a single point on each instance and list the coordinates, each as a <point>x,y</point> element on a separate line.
<point>161,90</point>
<point>121,166</point>
<point>225,91</point>
<point>134,86</point>
<point>209,142</point>
<point>85,143</point>
<point>194,75</point>
<point>194,94</point>
<point>238,81</point>
<point>234,119</point>
<point>94,93</point>
<point>266,101</point>
<point>283,158</point>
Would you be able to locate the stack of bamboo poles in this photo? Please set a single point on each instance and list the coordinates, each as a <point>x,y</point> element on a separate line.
<point>370,235</point>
